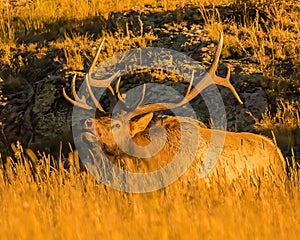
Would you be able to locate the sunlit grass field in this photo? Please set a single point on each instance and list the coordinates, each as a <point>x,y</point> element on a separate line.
<point>60,204</point>
<point>42,199</point>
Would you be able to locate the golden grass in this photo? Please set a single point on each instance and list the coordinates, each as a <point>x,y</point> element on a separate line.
<point>266,33</point>
<point>60,204</point>
<point>286,117</point>
<point>284,124</point>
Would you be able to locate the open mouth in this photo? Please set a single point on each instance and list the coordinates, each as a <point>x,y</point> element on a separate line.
<point>88,137</point>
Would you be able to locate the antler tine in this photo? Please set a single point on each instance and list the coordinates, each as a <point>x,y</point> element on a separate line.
<point>88,77</point>
<point>94,99</point>
<point>137,110</point>
<point>77,102</point>
<point>73,87</point>
<point>214,66</point>
<point>106,83</point>
<point>96,57</point>
<point>118,94</point>
<point>225,82</point>
<point>190,85</point>
<point>139,102</point>
<point>100,83</point>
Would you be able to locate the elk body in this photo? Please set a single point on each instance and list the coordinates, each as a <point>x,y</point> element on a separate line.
<point>126,136</point>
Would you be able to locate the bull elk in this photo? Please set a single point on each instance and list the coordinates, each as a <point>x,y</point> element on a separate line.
<point>136,128</point>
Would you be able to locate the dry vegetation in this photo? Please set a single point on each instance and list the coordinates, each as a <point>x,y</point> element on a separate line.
<point>42,199</point>
<point>40,202</point>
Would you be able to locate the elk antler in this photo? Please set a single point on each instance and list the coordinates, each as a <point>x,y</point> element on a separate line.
<point>78,102</point>
<point>106,83</point>
<point>208,79</point>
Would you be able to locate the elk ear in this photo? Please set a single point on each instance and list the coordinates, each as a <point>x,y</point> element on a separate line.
<point>140,124</point>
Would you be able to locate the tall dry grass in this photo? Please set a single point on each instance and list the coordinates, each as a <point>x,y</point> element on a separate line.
<point>55,203</point>
<point>265,32</point>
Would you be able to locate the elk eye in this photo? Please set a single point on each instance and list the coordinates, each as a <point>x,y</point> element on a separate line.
<point>116,126</point>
